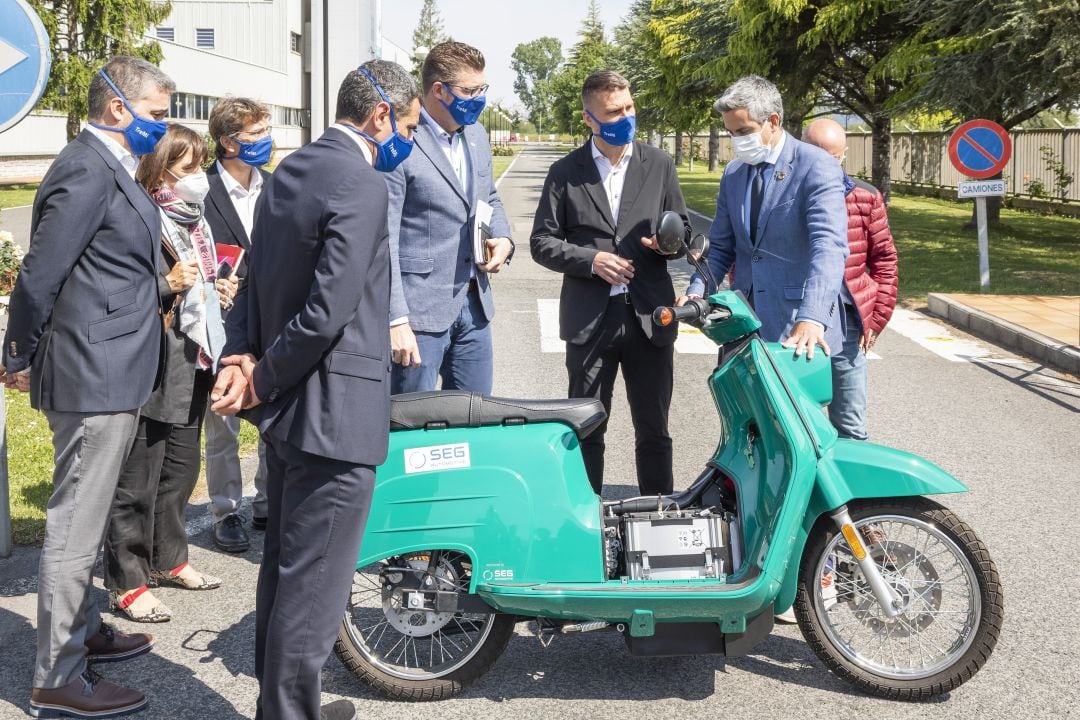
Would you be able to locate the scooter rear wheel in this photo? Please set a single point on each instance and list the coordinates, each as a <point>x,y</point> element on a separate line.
<point>408,653</point>
<point>952,600</point>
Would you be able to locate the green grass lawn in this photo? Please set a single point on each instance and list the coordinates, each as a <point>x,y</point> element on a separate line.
<point>499,163</point>
<point>1030,254</point>
<point>16,195</point>
<point>30,466</point>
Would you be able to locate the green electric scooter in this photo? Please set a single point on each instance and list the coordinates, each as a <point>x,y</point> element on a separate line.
<point>483,517</point>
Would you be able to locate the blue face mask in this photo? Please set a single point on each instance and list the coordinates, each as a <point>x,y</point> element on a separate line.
<point>142,133</point>
<point>392,151</point>
<point>620,132</point>
<point>256,154</point>
<point>465,111</point>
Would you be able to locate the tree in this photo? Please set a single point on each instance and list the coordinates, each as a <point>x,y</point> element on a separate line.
<point>428,33</point>
<point>535,64</point>
<point>1002,60</point>
<point>83,35</point>
<point>591,52</point>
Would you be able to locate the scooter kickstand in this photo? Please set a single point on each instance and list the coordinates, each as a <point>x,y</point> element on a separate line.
<point>545,631</point>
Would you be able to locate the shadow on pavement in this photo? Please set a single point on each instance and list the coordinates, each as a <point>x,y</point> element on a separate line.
<point>1042,381</point>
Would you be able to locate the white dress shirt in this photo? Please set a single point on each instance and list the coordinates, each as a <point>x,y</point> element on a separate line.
<point>453,147</point>
<point>357,139</point>
<point>613,178</point>
<point>243,199</point>
<point>121,153</point>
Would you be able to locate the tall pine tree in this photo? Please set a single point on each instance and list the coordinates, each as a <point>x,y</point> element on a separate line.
<point>84,34</point>
<point>428,33</point>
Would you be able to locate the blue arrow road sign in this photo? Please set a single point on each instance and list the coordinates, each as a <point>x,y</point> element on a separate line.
<point>24,61</point>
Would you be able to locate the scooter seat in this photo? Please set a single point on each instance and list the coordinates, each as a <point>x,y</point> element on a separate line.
<point>455,408</point>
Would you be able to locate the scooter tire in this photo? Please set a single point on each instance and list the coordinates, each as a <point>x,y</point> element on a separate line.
<point>440,688</point>
<point>989,588</point>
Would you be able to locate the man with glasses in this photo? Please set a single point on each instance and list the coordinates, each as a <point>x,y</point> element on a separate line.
<point>242,133</point>
<point>440,299</point>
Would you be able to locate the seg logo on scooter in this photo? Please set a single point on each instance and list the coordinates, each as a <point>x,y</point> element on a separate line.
<point>437,457</point>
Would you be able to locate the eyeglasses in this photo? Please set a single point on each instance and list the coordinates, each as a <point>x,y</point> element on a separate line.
<point>255,133</point>
<point>469,92</point>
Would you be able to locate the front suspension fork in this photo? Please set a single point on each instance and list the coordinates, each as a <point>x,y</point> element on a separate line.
<point>889,601</point>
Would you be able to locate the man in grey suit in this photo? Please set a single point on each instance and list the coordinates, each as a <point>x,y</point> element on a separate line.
<point>308,353</point>
<point>84,338</point>
<point>781,220</point>
<point>440,302</point>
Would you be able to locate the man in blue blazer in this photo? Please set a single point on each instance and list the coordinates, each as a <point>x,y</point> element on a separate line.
<point>781,220</point>
<point>440,298</point>
<point>308,354</point>
<point>85,338</point>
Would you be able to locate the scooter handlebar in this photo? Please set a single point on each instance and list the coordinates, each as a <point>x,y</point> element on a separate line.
<point>694,311</point>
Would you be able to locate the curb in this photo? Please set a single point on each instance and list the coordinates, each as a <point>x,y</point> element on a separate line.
<point>1004,333</point>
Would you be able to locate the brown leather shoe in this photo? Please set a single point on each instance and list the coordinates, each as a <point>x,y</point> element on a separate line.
<point>110,645</point>
<point>87,696</point>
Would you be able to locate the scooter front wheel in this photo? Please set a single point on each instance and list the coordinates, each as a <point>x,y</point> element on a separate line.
<point>394,641</point>
<point>947,589</point>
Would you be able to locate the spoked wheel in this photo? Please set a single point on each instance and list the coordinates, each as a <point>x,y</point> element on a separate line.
<point>952,605</point>
<point>398,638</point>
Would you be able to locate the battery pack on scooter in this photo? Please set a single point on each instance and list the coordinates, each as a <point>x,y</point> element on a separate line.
<point>673,547</point>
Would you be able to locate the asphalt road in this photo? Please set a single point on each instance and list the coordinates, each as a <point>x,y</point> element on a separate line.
<point>1006,428</point>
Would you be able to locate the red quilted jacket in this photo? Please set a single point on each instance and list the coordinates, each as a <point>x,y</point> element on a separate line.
<point>870,273</point>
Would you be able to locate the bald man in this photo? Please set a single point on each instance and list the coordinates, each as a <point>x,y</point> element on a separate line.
<point>869,290</point>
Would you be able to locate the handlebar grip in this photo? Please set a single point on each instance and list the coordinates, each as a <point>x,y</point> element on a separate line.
<point>694,309</point>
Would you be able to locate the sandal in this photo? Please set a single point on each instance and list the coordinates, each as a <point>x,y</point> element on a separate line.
<point>186,577</point>
<point>147,610</point>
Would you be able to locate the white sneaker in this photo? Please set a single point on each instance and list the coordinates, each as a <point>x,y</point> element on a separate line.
<point>787,617</point>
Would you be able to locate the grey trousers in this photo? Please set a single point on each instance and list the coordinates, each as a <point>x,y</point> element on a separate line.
<point>89,451</point>
<point>224,482</point>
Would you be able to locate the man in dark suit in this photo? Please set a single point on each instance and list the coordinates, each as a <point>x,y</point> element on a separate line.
<point>308,353</point>
<point>242,133</point>
<point>596,224</point>
<point>84,337</point>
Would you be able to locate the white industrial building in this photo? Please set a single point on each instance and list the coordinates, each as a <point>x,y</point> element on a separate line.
<point>290,54</point>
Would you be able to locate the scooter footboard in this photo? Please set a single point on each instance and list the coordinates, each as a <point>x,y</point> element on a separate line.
<point>516,499</point>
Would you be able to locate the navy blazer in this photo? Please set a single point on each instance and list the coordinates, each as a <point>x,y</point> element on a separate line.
<point>222,217</point>
<point>574,222</point>
<point>85,313</point>
<point>795,269</point>
<point>313,309</point>
<point>431,219</point>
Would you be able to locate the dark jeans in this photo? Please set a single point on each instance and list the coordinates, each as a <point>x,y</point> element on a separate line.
<point>146,524</point>
<point>648,372</point>
<point>317,508</point>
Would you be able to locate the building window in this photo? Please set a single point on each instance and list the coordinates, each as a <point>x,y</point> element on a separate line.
<point>296,42</point>
<point>204,38</point>
<point>166,33</point>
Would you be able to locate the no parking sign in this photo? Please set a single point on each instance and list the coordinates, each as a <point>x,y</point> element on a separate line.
<point>980,149</point>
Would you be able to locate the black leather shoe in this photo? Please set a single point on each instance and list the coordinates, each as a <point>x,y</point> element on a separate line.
<point>230,535</point>
<point>338,710</point>
<point>258,523</point>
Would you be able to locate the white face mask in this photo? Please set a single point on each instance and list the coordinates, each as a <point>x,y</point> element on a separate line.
<point>750,148</point>
<point>192,188</point>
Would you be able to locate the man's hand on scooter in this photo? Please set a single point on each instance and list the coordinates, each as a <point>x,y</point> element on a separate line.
<point>683,299</point>
<point>403,347</point>
<point>804,336</point>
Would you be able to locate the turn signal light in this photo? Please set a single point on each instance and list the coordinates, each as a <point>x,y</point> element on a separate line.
<point>852,536</point>
<point>665,316</point>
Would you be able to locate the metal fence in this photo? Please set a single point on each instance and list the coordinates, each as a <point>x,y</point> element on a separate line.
<point>922,158</point>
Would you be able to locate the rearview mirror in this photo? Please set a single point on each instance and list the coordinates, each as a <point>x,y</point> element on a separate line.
<point>699,247</point>
<point>671,233</point>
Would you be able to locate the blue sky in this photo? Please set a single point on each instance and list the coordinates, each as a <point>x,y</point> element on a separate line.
<point>496,27</point>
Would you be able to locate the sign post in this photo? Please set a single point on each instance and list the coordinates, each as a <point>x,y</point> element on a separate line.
<point>980,149</point>
<point>25,61</point>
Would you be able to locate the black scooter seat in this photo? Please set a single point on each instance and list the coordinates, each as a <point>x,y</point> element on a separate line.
<point>456,408</point>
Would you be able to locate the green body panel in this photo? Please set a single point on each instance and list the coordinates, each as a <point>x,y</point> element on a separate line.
<point>858,470</point>
<point>519,520</point>
<point>521,506</point>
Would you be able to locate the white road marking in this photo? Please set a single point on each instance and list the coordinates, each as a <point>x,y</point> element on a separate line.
<point>936,338</point>
<point>507,170</point>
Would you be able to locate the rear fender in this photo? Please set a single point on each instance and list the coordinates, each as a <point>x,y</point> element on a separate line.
<point>856,470</point>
